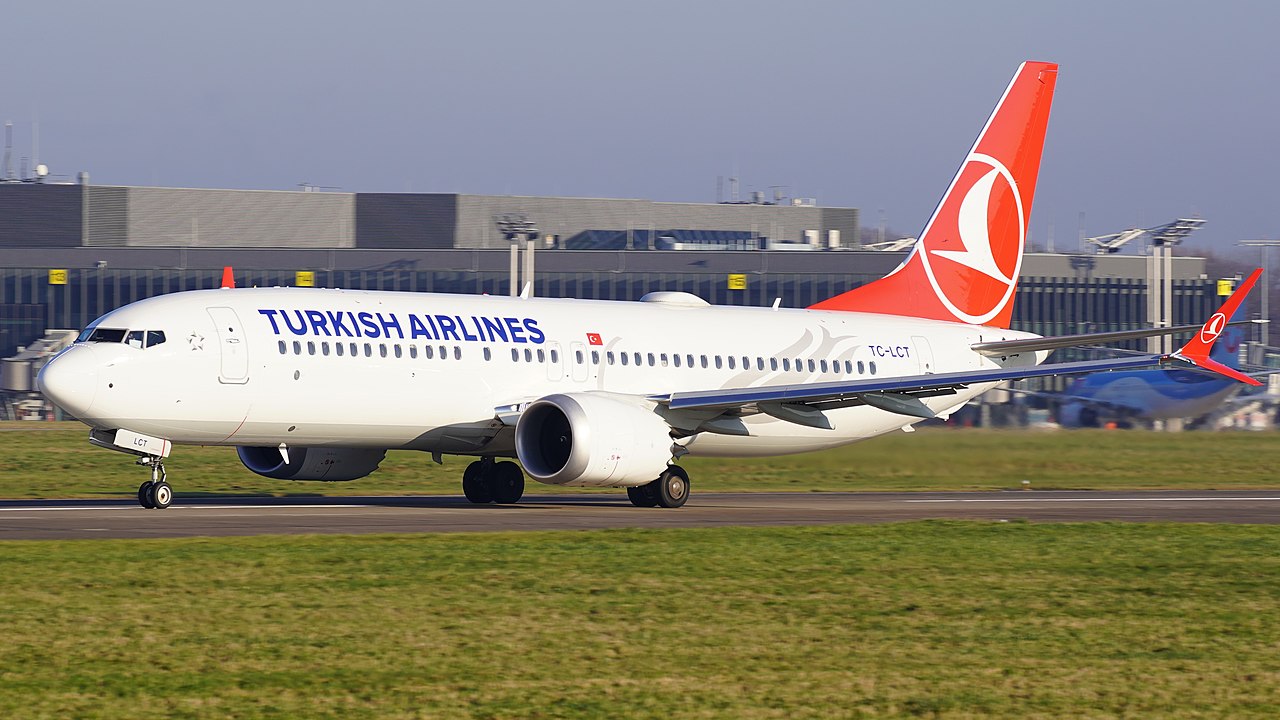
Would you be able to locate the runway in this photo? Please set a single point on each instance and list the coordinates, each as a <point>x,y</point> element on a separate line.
<point>231,516</point>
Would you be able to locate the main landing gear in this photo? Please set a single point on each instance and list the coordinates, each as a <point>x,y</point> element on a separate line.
<point>154,494</point>
<point>670,490</point>
<point>486,481</point>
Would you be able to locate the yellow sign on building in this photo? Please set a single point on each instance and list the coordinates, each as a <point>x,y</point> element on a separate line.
<point>305,278</point>
<point>1224,287</point>
<point>58,277</point>
<point>737,281</point>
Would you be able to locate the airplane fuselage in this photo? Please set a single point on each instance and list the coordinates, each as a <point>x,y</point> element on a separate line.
<point>341,368</point>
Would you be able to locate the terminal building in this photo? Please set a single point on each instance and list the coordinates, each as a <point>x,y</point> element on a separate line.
<point>69,253</point>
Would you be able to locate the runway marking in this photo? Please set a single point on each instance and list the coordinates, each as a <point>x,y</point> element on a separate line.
<point>1069,500</point>
<point>173,507</point>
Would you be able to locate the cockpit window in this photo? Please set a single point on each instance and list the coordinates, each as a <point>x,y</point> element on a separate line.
<point>133,338</point>
<point>106,335</point>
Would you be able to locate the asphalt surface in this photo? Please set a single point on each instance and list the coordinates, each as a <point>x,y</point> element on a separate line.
<point>228,516</point>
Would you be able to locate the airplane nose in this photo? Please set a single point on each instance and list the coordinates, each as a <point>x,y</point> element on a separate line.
<point>70,380</point>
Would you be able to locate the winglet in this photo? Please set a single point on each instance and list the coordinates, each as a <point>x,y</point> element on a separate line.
<point>1196,351</point>
<point>228,278</point>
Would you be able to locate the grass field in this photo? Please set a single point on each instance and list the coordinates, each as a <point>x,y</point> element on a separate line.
<point>927,619</point>
<point>45,460</point>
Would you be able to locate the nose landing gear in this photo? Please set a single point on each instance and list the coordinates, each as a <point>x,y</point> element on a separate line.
<point>154,494</point>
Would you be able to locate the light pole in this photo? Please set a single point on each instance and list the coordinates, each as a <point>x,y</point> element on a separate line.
<point>519,230</point>
<point>1266,284</point>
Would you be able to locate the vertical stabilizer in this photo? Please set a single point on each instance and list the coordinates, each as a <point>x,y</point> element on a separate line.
<point>964,268</point>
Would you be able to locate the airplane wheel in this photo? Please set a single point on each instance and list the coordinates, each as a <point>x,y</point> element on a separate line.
<point>672,487</point>
<point>161,495</point>
<point>506,483</point>
<point>642,496</point>
<point>473,484</point>
<point>144,495</point>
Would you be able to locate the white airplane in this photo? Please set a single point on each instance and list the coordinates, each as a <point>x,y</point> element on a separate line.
<point>313,384</point>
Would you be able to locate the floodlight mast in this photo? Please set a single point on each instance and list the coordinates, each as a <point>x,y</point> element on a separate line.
<point>519,230</point>
<point>1266,287</point>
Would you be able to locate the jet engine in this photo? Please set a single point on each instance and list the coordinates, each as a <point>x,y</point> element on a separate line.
<point>1077,415</point>
<point>311,463</point>
<point>592,439</point>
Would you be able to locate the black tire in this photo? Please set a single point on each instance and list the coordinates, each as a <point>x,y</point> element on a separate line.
<point>473,484</point>
<point>506,483</point>
<point>642,496</point>
<point>144,495</point>
<point>672,487</point>
<point>161,495</point>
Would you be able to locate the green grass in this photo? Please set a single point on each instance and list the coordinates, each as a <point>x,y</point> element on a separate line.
<point>932,619</point>
<point>45,460</point>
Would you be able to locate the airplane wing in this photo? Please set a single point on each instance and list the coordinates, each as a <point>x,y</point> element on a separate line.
<point>803,403</point>
<point>999,348</point>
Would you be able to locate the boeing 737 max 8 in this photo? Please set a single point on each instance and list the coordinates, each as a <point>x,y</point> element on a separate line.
<point>318,384</point>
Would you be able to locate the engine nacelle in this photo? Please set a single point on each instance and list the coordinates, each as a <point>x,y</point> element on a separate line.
<point>1077,415</point>
<point>312,463</point>
<point>592,439</point>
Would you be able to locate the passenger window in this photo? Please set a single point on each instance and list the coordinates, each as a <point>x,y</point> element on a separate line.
<point>413,352</point>
<point>773,364</point>
<point>823,364</point>
<point>399,352</point>
<point>542,355</point>
<point>595,357</point>
<point>861,367</point>
<point>609,357</point>
<point>528,355</point>
<point>759,363</point>
<point>444,353</point>
<point>676,359</point>
<point>577,356</point>
<point>731,362</point>
<point>650,358</point>
<point>717,362</point>
<point>134,339</point>
<point>457,352</point>
<point>637,359</point>
<point>872,367</point>
<point>382,349</point>
<point>487,355</point>
<point>311,347</point>
<point>297,348</point>
<point>662,359</point>
<point>283,348</point>
<point>688,360</point>
<point>555,356</point>
<point>428,352</point>
<point>786,364</point>
<point>368,350</point>
<point>355,350</point>
<point>155,337</point>
<point>324,348</point>
<point>515,355</point>
<point>624,358</point>
<point>337,349</point>
<point>812,366</point>
<point>704,361</point>
<point>848,367</point>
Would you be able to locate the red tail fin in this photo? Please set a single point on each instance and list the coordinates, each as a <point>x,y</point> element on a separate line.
<point>1197,349</point>
<point>964,268</point>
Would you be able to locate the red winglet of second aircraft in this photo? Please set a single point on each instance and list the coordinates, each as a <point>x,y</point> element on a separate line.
<point>1196,351</point>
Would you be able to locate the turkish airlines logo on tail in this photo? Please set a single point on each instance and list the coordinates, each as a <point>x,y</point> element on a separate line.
<point>1213,328</point>
<point>972,250</point>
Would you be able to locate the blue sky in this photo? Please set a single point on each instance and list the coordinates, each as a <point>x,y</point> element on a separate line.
<point>1162,110</point>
